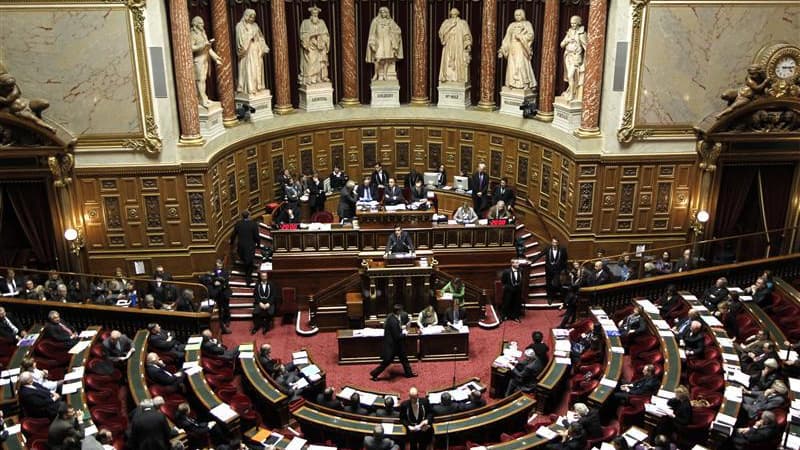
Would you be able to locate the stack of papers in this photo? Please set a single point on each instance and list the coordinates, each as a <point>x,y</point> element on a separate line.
<point>310,370</point>
<point>560,333</point>
<point>223,412</point>
<point>634,436</point>
<point>296,444</point>
<point>368,332</point>
<point>79,347</point>
<point>86,334</point>
<point>503,361</point>
<point>76,374</point>
<point>192,347</point>
<point>689,297</point>
<point>367,398</point>
<point>562,345</point>
<point>246,355</point>
<point>190,364</point>
<point>195,340</point>
<point>712,321</point>
<point>738,377</point>
<point>546,433</point>
<point>648,306</point>
<point>71,388</point>
<point>608,382</point>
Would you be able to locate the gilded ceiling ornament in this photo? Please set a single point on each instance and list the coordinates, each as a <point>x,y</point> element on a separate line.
<point>150,143</point>
<point>708,153</point>
<point>61,167</point>
<point>136,8</point>
<point>638,11</point>
<point>627,133</point>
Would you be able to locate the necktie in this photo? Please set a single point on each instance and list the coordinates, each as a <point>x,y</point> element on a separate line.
<point>514,277</point>
<point>11,325</point>
<point>65,328</point>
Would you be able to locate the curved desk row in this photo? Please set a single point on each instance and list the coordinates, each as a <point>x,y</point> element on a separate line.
<point>487,423</point>
<point>8,395</point>
<point>77,399</point>
<point>347,390</point>
<point>613,359</point>
<point>320,424</point>
<point>197,380</point>
<point>551,381</point>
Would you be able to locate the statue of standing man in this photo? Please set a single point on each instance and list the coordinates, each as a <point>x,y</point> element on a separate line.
<point>315,42</point>
<point>517,48</point>
<point>456,46</point>
<point>384,46</point>
<point>251,48</point>
<point>201,51</point>
<point>574,45</point>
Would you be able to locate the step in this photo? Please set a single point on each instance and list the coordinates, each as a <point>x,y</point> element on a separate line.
<point>536,274</point>
<point>520,226</point>
<point>530,245</point>
<point>525,236</point>
<point>266,237</point>
<point>536,284</point>
<point>532,295</point>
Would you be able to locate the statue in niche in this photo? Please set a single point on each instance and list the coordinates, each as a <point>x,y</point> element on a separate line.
<point>12,101</point>
<point>456,40</point>
<point>251,48</point>
<point>202,52</point>
<point>315,42</point>
<point>517,48</point>
<point>384,46</point>
<point>755,85</point>
<point>574,45</point>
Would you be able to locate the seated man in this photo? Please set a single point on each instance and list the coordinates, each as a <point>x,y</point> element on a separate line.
<point>694,342</point>
<point>454,315</point>
<point>158,373</point>
<point>669,302</point>
<point>185,301</point>
<point>764,430</point>
<point>600,275</point>
<point>757,358</point>
<point>365,192</point>
<point>465,214</point>
<point>66,424</point>
<point>474,401</point>
<point>523,376</point>
<point>35,400</point>
<point>285,379</point>
<point>715,294</point>
<point>684,326</point>
<point>59,294</point>
<point>59,331</point>
<point>419,192</point>
<point>31,292</point>
<point>213,349</point>
<point>540,349</point>
<point>446,406</point>
<point>772,398</point>
<point>354,405</point>
<point>632,325</point>
<point>117,346</point>
<point>762,381</point>
<point>589,418</point>
<point>499,211</point>
<point>399,241</point>
<point>378,441</point>
<point>647,385</point>
<point>328,399</point>
<point>761,294</point>
<point>40,376</point>
<point>162,341</point>
<point>289,213</point>
<point>753,343</point>
<point>10,328</point>
<point>388,409</point>
<point>198,430</point>
<point>269,364</point>
<point>393,195</point>
<point>264,294</point>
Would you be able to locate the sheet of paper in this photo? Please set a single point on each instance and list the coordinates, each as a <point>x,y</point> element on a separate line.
<point>459,395</point>
<point>661,324</point>
<point>546,433</point>
<point>70,388</point>
<point>90,430</point>
<point>300,354</point>
<point>223,412</point>
<point>566,361</point>
<point>246,347</point>
<point>794,384</point>
<point>246,355</point>
<point>618,350</point>
<point>562,345</point>
<point>387,428</point>
<point>195,340</point>
<point>300,361</point>
<point>300,384</point>
<point>79,347</point>
<point>310,370</point>
<point>666,333</point>
<point>76,374</point>
<point>637,433</point>
<point>367,398</point>
<point>87,334</point>
<point>346,393</point>
<point>689,297</point>
<point>663,393</point>
<point>434,398</point>
<point>726,419</point>
<point>14,429</point>
<point>192,347</point>
<point>296,444</point>
<point>712,321</point>
<point>608,382</point>
<point>189,364</point>
<point>792,440</point>
<point>9,372</point>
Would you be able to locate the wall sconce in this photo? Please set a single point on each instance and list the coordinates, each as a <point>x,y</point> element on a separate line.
<point>75,238</point>
<point>699,219</point>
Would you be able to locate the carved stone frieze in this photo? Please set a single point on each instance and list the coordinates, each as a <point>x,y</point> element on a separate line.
<point>150,143</point>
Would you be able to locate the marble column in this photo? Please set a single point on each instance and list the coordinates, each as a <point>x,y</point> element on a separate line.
<point>419,90</point>
<point>349,57</point>
<point>593,76</point>
<point>547,78</point>
<point>280,55</point>
<point>188,114</point>
<point>220,28</point>
<point>488,55</point>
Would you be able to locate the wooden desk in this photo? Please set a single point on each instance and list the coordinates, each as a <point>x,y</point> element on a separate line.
<point>387,285</point>
<point>613,362</point>
<point>386,220</point>
<point>486,424</point>
<point>274,407</point>
<point>548,388</point>
<point>320,424</point>
<point>428,347</point>
<point>8,396</point>
<point>77,400</point>
<point>202,390</point>
<point>15,441</point>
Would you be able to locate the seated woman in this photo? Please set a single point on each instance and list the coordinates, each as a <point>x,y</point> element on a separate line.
<point>427,317</point>
<point>455,287</point>
<point>289,214</point>
<point>465,214</point>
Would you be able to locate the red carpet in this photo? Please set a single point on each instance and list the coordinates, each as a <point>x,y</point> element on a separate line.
<point>484,347</point>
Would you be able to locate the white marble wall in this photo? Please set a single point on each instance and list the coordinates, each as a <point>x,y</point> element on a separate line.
<point>693,52</point>
<point>81,60</point>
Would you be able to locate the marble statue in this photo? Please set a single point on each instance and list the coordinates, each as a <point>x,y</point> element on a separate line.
<point>517,48</point>
<point>202,52</point>
<point>315,42</point>
<point>384,46</point>
<point>574,45</point>
<point>12,101</point>
<point>251,48</point>
<point>456,46</point>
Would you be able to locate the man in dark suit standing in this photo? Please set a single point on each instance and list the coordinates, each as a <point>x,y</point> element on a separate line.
<point>219,290</point>
<point>393,195</point>
<point>10,285</point>
<point>412,177</point>
<point>149,428</point>
<point>512,289</point>
<point>393,343</point>
<point>504,193</point>
<point>10,328</point>
<point>66,424</point>
<point>246,233</point>
<point>399,242</point>
<point>380,177</point>
<point>480,189</point>
<point>378,441</point>
<point>338,179</point>
<point>263,304</point>
<point>417,416</point>
<point>347,201</point>
<point>555,261</point>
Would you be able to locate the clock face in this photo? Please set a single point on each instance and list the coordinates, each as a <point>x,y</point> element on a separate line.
<point>786,67</point>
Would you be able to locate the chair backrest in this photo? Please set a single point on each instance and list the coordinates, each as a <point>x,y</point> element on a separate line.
<point>322,217</point>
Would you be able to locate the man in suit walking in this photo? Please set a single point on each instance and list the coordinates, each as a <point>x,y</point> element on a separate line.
<point>555,261</point>
<point>246,233</point>
<point>399,242</point>
<point>480,190</point>
<point>512,289</point>
<point>263,304</point>
<point>393,343</point>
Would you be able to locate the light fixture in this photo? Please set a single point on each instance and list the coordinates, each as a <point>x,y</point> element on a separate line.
<point>75,239</point>
<point>702,216</point>
<point>698,221</point>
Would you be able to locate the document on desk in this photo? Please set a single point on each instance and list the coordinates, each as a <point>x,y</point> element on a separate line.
<point>90,430</point>
<point>387,428</point>
<point>192,347</point>
<point>71,388</point>
<point>310,370</point>
<point>246,355</point>
<point>85,334</point>
<point>195,340</point>
<point>296,444</point>
<point>546,433</point>
<point>434,398</point>
<point>346,393</point>
<point>608,382</point>
<point>79,347</point>
<point>75,374</point>
<point>367,398</point>
<point>223,412</point>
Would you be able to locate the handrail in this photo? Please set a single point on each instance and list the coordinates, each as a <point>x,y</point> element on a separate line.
<point>539,216</point>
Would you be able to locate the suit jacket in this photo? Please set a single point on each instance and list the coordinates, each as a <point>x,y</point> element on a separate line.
<point>756,435</point>
<point>210,347</point>
<point>644,385</point>
<point>393,196</point>
<point>682,265</point>
<point>591,424</point>
<point>372,443</point>
<point>361,189</point>
<point>441,178</point>
<point>553,264</point>
<point>411,179</point>
<point>695,342</point>
<point>6,332</point>
<point>7,285</point>
<point>264,294</point>
<point>159,374</point>
<point>669,304</point>
<point>268,364</point>
<point>442,410</point>
<point>424,412</point>
<point>682,410</point>
<point>149,430</point>
<point>508,282</point>
<point>525,373</point>
<point>764,403</point>
<point>713,295</point>
<point>56,332</point>
<point>379,178</point>
<point>119,350</point>
<point>505,194</point>
<point>36,401</point>
<point>190,424</point>
<point>633,324</point>
<point>347,203</point>
<point>478,186</point>
<point>402,244</point>
<point>245,232</point>
<point>338,181</point>
<point>683,327</point>
<point>161,342</point>
<point>60,429</point>
<point>316,193</point>
<point>393,334</point>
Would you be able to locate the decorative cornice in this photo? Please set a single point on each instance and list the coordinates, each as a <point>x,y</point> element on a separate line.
<point>627,133</point>
<point>638,12</point>
<point>150,143</point>
<point>709,153</point>
<point>136,7</point>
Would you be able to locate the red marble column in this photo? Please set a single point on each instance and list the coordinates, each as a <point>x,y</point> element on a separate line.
<point>488,55</point>
<point>593,77</point>
<point>547,77</point>
<point>220,28</point>
<point>280,55</point>
<point>419,90</point>
<point>349,57</point>
<point>188,114</point>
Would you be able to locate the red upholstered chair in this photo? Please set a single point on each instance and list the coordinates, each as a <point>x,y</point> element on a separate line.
<point>244,407</point>
<point>97,351</point>
<point>100,383</point>
<point>36,428</point>
<point>109,418</point>
<point>92,365</point>
<point>107,397</point>
<point>704,366</point>
<point>288,304</point>
<point>580,327</point>
<point>649,357</point>
<point>541,420</point>
<point>632,413</point>
<point>322,217</point>
<point>594,371</point>
<point>591,357</point>
<point>643,344</point>
<point>505,437</point>
<point>40,444</point>
<point>658,369</point>
<point>217,366</point>
<point>582,390</point>
<point>52,352</point>
<point>697,430</point>
<point>609,432</point>
<point>780,417</point>
<point>622,313</point>
<point>164,391</point>
<point>226,393</point>
<point>713,382</point>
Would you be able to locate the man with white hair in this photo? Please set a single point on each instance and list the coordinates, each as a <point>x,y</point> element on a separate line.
<point>58,330</point>
<point>117,346</point>
<point>589,418</point>
<point>523,376</point>
<point>36,400</point>
<point>158,373</point>
<point>694,342</point>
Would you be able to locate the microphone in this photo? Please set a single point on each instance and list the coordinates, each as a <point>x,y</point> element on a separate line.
<point>455,349</point>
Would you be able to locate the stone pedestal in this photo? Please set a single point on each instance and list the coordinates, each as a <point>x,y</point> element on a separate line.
<point>316,97</point>
<point>567,114</point>
<point>454,95</point>
<point>211,120</point>
<point>260,101</point>
<point>511,99</point>
<point>385,93</point>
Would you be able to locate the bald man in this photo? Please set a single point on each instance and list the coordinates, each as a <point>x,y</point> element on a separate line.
<point>117,346</point>
<point>417,416</point>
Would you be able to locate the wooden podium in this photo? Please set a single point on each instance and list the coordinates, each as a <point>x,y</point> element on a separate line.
<point>396,279</point>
